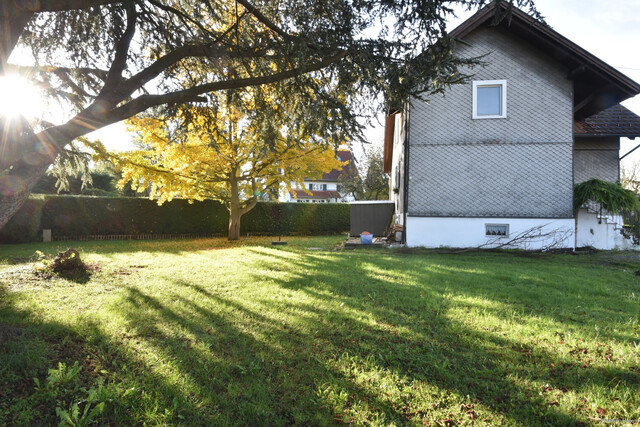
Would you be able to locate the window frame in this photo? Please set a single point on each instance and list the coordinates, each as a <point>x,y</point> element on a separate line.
<point>502,84</point>
<point>486,230</point>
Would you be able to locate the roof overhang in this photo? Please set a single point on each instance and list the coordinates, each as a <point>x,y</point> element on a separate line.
<point>597,85</point>
<point>389,131</point>
<point>616,121</point>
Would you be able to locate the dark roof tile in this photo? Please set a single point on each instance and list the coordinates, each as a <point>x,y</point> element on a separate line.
<point>614,121</point>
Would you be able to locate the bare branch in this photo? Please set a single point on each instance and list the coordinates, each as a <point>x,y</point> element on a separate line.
<point>553,238</point>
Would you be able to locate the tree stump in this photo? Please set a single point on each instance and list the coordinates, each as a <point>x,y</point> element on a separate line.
<point>68,260</point>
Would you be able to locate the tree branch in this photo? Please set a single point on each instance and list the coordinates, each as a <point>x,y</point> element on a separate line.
<point>13,21</point>
<point>263,19</point>
<point>61,5</point>
<point>173,57</point>
<point>183,16</point>
<point>114,76</point>
<point>250,203</point>
<point>147,101</point>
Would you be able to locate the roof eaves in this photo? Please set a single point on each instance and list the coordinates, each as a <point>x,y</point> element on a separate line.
<point>600,135</point>
<point>537,29</point>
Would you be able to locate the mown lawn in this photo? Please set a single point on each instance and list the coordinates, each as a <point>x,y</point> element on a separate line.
<point>206,332</point>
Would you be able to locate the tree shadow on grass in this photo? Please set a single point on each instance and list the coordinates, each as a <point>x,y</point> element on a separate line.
<point>311,347</point>
<point>452,345</point>
<point>313,354</point>
<point>270,379</point>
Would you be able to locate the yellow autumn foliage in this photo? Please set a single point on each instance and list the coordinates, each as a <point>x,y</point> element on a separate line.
<point>220,153</point>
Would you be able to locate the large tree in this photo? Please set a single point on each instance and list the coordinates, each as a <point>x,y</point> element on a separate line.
<point>234,150</point>
<point>374,186</point>
<point>107,60</point>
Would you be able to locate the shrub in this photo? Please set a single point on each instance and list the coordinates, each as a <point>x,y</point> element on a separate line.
<point>611,197</point>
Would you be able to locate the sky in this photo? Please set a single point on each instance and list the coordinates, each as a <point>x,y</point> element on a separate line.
<point>609,29</point>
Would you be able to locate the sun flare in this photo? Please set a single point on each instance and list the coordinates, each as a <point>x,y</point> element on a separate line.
<point>18,97</point>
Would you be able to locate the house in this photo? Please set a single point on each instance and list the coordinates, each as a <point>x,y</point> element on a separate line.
<point>327,188</point>
<point>497,158</point>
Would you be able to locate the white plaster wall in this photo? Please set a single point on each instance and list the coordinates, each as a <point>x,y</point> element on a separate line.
<point>331,185</point>
<point>397,168</point>
<point>286,196</point>
<point>432,232</point>
<point>599,233</point>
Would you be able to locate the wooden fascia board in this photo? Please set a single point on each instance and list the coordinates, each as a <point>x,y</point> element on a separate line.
<point>389,132</point>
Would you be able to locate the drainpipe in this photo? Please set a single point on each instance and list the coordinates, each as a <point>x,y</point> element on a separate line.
<point>406,171</point>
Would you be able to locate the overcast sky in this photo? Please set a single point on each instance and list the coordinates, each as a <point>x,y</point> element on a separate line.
<point>609,29</point>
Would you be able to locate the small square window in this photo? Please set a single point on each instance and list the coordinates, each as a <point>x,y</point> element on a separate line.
<point>490,99</point>
<point>496,230</point>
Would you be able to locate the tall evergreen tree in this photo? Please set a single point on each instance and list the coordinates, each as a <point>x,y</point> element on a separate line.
<point>108,60</point>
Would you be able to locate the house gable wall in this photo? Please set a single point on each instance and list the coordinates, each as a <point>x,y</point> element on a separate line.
<point>518,166</point>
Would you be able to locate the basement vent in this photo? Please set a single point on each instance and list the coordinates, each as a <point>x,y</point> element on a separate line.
<point>496,229</point>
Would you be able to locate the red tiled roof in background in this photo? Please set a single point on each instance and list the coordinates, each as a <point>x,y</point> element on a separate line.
<point>334,175</point>
<point>317,194</point>
<point>614,121</point>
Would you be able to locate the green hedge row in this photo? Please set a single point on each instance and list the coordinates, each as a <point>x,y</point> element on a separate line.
<point>24,226</point>
<point>74,216</point>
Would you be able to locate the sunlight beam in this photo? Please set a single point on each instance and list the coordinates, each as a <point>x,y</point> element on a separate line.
<point>19,97</point>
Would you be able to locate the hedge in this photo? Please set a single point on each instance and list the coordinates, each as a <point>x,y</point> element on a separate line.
<point>296,218</point>
<point>24,226</point>
<point>75,216</point>
<point>78,215</point>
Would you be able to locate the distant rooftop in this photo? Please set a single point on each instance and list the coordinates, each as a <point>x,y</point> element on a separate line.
<point>317,194</point>
<point>334,175</point>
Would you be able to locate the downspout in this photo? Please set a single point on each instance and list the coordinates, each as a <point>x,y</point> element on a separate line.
<point>406,171</point>
<point>573,174</point>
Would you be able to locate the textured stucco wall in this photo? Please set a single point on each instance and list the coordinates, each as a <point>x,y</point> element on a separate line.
<point>596,158</point>
<point>508,180</point>
<point>519,166</point>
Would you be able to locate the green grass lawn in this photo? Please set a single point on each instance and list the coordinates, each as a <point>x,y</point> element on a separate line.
<point>208,332</point>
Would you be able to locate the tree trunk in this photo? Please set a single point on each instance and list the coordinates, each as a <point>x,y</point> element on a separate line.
<point>234,224</point>
<point>12,23</point>
<point>24,159</point>
<point>234,208</point>
<point>15,188</point>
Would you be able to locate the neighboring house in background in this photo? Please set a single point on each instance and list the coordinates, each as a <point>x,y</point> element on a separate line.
<point>500,155</point>
<point>325,189</point>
